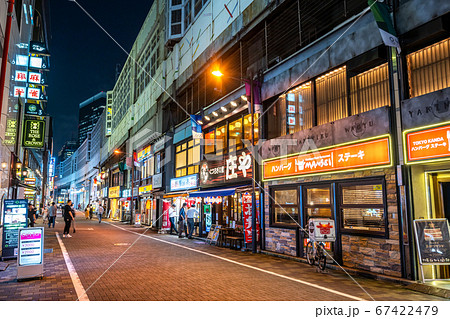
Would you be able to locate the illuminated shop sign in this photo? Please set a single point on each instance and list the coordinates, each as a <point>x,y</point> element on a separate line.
<point>19,91</point>
<point>21,76</point>
<point>426,145</point>
<point>144,153</point>
<point>145,189</point>
<point>36,62</point>
<point>33,109</point>
<point>51,168</point>
<point>369,154</point>
<point>33,133</point>
<point>10,132</point>
<point>183,183</point>
<point>34,93</point>
<point>114,192</point>
<point>233,168</point>
<point>34,77</point>
<point>21,60</point>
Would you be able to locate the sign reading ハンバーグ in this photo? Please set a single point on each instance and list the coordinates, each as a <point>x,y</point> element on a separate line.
<point>33,133</point>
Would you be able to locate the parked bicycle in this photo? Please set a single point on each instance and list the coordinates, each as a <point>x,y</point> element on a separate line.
<point>320,230</point>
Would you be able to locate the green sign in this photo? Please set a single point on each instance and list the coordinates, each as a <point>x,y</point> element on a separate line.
<point>33,133</point>
<point>10,132</point>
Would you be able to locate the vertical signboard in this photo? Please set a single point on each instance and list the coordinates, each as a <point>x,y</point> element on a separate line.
<point>247,212</point>
<point>208,216</point>
<point>30,261</point>
<point>15,216</point>
<point>10,132</point>
<point>33,134</point>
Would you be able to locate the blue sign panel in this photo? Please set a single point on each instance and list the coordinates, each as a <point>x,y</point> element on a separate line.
<point>184,183</point>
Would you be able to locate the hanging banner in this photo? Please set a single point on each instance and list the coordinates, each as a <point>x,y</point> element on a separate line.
<point>208,217</point>
<point>380,11</point>
<point>257,102</point>
<point>247,214</point>
<point>165,217</point>
<point>196,127</point>
<point>433,241</point>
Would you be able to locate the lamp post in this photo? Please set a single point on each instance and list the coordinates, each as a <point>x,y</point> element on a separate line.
<point>132,184</point>
<point>218,73</point>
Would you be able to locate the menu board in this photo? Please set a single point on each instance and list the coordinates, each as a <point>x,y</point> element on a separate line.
<point>433,241</point>
<point>31,246</point>
<point>15,216</point>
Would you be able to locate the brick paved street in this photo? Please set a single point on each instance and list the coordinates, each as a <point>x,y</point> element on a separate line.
<point>163,267</point>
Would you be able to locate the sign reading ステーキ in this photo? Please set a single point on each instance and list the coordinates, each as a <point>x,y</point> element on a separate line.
<point>372,153</point>
<point>433,241</point>
<point>33,133</point>
<point>427,145</point>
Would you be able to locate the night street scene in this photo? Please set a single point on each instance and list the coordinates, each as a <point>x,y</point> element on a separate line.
<point>228,151</point>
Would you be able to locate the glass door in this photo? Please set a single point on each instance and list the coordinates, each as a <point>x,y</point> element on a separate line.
<point>318,204</point>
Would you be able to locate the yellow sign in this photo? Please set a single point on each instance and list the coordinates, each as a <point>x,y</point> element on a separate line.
<point>144,153</point>
<point>114,192</point>
<point>145,189</point>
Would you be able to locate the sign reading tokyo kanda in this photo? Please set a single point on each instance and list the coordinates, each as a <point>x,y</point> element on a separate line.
<point>427,145</point>
<point>33,133</point>
<point>230,169</point>
<point>369,154</point>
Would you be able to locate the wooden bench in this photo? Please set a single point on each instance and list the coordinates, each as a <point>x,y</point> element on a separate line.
<point>234,241</point>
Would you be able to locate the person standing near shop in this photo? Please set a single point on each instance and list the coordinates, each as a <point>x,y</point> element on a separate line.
<point>68,217</point>
<point>52,215</point>
<point>182,221</point>
<point>172,215</point>
<point>190,214</point>
<point>31,215</point>
<point>100,211</point>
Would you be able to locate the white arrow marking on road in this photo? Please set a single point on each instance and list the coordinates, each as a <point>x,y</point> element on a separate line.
<point>245,265</point>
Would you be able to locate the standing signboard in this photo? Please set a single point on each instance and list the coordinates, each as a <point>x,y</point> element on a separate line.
<point>15,216</point>
<point>433,242</point>
<point>165,217</point>
<point>30,261</point>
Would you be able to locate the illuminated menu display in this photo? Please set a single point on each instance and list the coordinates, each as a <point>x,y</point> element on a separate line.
<point>426,145</point>
<point>368,154</point>
<point>31,246</point>
<point>15,216</point>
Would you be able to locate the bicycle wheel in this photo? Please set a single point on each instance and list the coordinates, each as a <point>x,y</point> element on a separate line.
<point>310,253</point>
<point>322,257</point>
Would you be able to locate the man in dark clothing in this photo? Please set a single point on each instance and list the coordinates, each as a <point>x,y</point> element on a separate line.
<point>182,222</point>
<point>68,217</point>
<point>31,215</point>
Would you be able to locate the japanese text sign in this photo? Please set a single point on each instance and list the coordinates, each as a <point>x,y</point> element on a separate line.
<point>359,155</point>
<point>233,168</point>
<point>428,144</point>
<point>15,216</point>
<point>31,246</point>
<point>183,183</point>
<point>433,241</point>
<point>247,216</point>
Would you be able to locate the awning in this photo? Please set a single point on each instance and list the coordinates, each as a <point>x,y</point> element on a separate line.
<point>214,192</point>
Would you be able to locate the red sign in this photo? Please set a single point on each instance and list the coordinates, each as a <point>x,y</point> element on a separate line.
<point>165,219</point>
<point>247,212</point>
<point>360,155</point>
<point>428,144</point>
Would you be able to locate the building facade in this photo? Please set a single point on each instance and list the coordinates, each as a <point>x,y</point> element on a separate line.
<point>89,113</point>
<point>342,118</point>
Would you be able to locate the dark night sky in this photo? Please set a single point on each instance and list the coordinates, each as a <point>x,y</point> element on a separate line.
<point>83,57</point>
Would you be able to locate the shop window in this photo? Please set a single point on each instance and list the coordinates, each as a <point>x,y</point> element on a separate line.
<point>284,207</point>
<point>221,140</point>
<point>235,135</point>
<point>276,116</point>
<point>318,202</point>
<point>331,90</point>
<point>370,90</point>
<point>248,128</point>
<point>187,158</point>
<point>362,207</point>
<point>299,108</point>
<point>209,142</point>
<point>428,69</point>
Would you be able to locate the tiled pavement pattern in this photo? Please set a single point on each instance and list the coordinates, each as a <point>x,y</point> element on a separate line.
<point>155,270</point>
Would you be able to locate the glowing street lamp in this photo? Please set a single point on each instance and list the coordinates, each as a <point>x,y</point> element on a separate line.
<point>217,73</point>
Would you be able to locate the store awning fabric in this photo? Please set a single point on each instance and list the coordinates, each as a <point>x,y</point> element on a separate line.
<point>214,192</point>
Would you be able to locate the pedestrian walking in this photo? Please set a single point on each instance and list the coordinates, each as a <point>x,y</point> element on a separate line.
<point>190,214</point>
<point>182,221</point>
<point>31,215</point>
<point>68,217</point>
<point>100,211</point>
<point>52,215</point>
<point>86,211</point>
<point>172,215</point>
<point>91,211</point>
<point>45,216</point>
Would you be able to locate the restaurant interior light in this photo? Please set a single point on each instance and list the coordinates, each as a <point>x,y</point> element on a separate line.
<point>207,118</point>
<point>215,113</point>
<point>223,108</point>
<point>234,104</point>
<point>243,97</point>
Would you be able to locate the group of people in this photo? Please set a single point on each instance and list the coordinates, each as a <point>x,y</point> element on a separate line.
<point>89,212</point>
<point>185,220</point>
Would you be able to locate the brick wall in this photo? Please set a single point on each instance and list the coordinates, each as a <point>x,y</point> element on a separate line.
<point>378,255</point>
